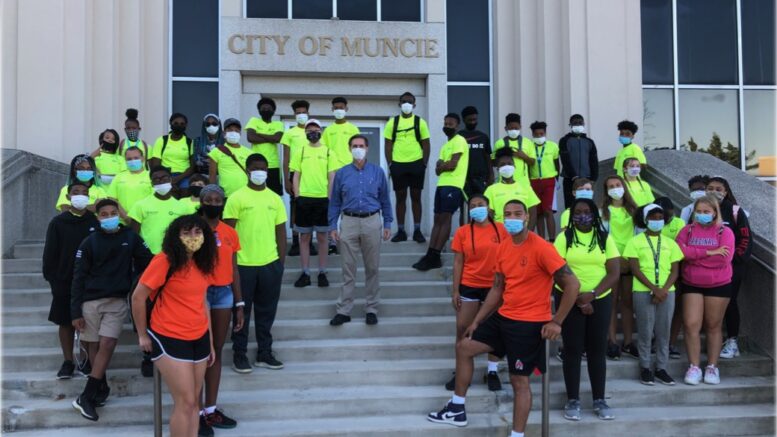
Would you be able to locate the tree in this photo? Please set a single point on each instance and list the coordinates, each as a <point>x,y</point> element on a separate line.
<point>729,153</point>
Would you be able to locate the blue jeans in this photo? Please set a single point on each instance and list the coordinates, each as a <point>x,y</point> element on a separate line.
<point>220,297</point>
<point>183,183</point>
<point>261,287</point>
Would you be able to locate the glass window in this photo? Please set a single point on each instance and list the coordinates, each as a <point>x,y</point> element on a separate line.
<point>467,28</point>
<point>709,122</point>
<point>758,41</point>
<point>195,99</point>
<point>267,8</point>
<point>400,10</point>
<point>656,16</point>
<point>760,138</point>
<point>707,41</point>
<point>658,121</point>
<point>312,9</point>
<point>477,96</point>
<point>363,10</point>
<point>195,38</point>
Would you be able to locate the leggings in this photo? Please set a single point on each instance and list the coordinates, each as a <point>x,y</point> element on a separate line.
<point>732,311</point>
<point>586,333</point>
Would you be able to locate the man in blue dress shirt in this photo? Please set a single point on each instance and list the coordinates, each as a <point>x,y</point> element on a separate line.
<point>359,193</point>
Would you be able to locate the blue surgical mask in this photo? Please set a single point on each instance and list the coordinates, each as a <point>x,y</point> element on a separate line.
<point>84,175</point>
<point>703,219</point>
<point>624,140</point>
<point>110,224</point>
<point>135,164</point>
<point>584,194</point>
<point>655,225</point>
<point>479,214</point>
<point>514,226</point>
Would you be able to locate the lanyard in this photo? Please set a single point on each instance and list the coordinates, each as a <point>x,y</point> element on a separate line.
<point>656,255</point>
<point>539,159</point>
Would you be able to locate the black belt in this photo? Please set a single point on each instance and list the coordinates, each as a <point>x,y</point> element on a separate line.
<point>360,214</point>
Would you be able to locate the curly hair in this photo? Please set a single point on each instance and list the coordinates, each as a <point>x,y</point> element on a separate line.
<point>205,258</point>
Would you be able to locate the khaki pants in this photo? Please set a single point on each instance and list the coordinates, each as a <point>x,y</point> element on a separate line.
<point>360,235</point>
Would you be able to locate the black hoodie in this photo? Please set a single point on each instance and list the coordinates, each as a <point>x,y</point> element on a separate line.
<point>579,157</point>
<point>65,233</point>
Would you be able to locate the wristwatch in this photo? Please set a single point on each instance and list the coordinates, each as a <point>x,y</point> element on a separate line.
<point>240,304</point>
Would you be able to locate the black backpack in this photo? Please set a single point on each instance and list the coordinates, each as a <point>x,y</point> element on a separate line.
<point>164,145</point>
<point>416,128</point>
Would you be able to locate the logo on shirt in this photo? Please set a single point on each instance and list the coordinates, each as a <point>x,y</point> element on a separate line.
<point>518,364</point>
<point>524,261</point>
<point>125,244</point>
<point>477,146</point>
<point>78,253</point>
<point>91,229</point>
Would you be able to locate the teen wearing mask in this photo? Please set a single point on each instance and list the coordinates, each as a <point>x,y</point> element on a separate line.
<point>626,131</point>
<point>179,336</point>
<point>640,191</point>
<point>175,151</point>
<point>708,246</point>
<point>264,134</point>
<point>82,168</point>
<point>132,131</point>
<point>196,183</point>
<point>579,158</point>
<point>544,176</point>
<point>228,160</point>
<point>697,186</point>
<point>211,135</point>
<point>337,134</point>
<point>292,141</point>
<point>107,158</point>
<point>479,172</point>
<point>522,148</point>
<point>508,189</point>
<point>593,257</point>
<point>132,186</point>
<point>582,188</point>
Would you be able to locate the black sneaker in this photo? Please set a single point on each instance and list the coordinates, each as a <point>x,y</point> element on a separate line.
<point>613,352</point>
<point>333,250</point>
<point>323,282</point>
<point>240,363</point>
<point>102,395</point>
<point>452,414</point>
<point>418,237</point>
<point>371,319</point>
<point>646,377</point>
<point>451,385</point>
<point>217,419</point>
<point>631,350</point>
<point>303,281</point>
<point>294,250</point>
<point>664,377</point>
<point>86,407</point>
<point>267,360</point>
<point>427,263</point>
<point>205,429</point>
<point>674,353</point>
<point>147,367</point>
<point>492,380</point>
<point>84,368</point>
<point>339,319</point>
<point>399,236</point>
<point>66,370</point>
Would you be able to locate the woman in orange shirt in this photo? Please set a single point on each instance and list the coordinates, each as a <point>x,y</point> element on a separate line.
<point>474,248</point>
<point>179,337</point>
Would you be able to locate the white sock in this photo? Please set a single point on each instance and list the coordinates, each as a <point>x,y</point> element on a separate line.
<point>210,410</point>
<point>457,400</point>
<point>516,434</point>
<point>493,366</point>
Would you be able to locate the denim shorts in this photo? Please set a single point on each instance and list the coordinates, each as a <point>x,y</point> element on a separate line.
<point>220,297</point>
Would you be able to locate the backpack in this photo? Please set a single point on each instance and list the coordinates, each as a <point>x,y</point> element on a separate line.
<point>164,145</point>
<point>508,139</point>
<point>416,128</point>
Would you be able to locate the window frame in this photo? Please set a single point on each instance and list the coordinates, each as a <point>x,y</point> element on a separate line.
<point>421,4</point>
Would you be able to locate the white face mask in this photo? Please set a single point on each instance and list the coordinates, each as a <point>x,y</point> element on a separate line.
<point>258,177</point>
<point>698,194</point>
<point>79,201</point>
<point>633,171</point>
<point>539,141</point>
<point>339,113</point>
<point>407,108</point>
<point>359,153</point>
<point>578,129</point>
<point>507,171</point>
<point>212,130</point>
<point>301,118</point>
<point>513,133</point>
<point>232,137</point>
<point>616,193</point>
<point>163,189</point>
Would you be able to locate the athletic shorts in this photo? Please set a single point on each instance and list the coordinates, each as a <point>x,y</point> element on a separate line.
<point>274,180</point>
<point>521,341</point>
<point>193,351</point>
<point>104,318</point>
<point>722,291</point>
<point>311,214</point>
<point>220,297</point>
<point>406,175</point>
<point>59,313</point>
<point>475,185</point>
<point>473,294</point>
<point>545,189</point>
<point>447,200</point>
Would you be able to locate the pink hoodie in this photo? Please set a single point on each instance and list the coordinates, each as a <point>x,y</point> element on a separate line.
<point>698,268</point>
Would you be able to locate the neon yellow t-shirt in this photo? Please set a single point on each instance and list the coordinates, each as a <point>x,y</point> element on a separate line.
<point>500,193</point>
<point>458,176</point>
<point>129,188</point>
<point>110,164</point>
<point>191,205</point>
<point>176,155</point>
<point>563,221</point>
<point>640,191</point>
<point>620,226</point>
<point>631,151</point>
<point>521,174</point>
<point>154,216</point>
<point>545,166</point>
<point>257,214</point>
<point>673,228</point>
<point>638,248</point>
<point>268,150</point>
<point>406,147</point>
<point>589,266</point>
<point>336,137</point>
<point>295,139</point>
<point>313,165</point>
<point>95,193</point>
<point>231,176</point>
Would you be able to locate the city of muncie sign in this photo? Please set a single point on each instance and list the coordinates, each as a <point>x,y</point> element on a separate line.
<point>310,45</point>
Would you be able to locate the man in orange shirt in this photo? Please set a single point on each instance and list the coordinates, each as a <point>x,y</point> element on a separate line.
<point>526,267</point>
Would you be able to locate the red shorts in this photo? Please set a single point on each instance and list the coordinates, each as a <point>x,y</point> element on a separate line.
<point>545,189</point>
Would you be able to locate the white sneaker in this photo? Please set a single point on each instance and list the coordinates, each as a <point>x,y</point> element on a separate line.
<point>693,375</point>
<point>711,375</point>
<point>730,349</point>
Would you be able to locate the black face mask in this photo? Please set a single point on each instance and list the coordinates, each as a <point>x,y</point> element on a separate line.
<point>212,211</point>
<point>195,190</point>
<point>266,115</point>
<point>313,137</point>
<point>110,147</point>
<point>470,126</point>
<point>178,129</point>
<point>449,131</point>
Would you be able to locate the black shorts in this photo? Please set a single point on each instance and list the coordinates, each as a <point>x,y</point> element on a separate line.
<point>59,313</point>
<point>406,175</point>
<point>521,341</point>
<point>274,180</point>
<point>195,351</point>
<point>311,214</point>
<point>447,200</point>
<point>722,291</point>
<point>472,294</point>
<point>475,185</point>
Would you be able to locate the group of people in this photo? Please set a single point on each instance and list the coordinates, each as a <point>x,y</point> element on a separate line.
<point>189,236</point>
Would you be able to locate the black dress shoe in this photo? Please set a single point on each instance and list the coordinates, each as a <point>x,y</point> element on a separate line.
<point>371,319</point>
<point>418,237</point>
<point>399,236</point>
<point>339,319</point>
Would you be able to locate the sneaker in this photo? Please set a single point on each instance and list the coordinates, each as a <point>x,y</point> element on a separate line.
<point>217,419</point>
<point>102,395</point>
<point>602,410</point>
<point>451,385</point>
<point>664,377</point>
<point>572,410</point>
<point>427,263</point>
<point>730,349</point>
<point>303,281</point>
<point>147,367</point>
<point>613,352</point>
<point>492,380</point>
<point>399,236</point>
<point>418,237</point>
<point>339,319</point>
<point>333,250</point>
<point>631,350</point>
<point>66,370</point>
<point>86,408</point>
<point>692,375</point>
<point>205,429</point>
<point>84,369</point>
<point>323,282</point>
<point>371,319</point>
<point>646,377</point>
<point>267,360</point>
<point>452,414</point>
<point>712,375</point>
<point>240,364</point>
<point>674,353</point>
<point>294,250</point>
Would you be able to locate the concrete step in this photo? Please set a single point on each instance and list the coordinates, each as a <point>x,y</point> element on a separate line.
<point>27,249</point>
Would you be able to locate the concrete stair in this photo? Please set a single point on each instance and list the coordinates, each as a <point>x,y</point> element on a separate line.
<point>355,380</point>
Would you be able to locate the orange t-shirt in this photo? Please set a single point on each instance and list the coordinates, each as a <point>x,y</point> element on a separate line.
<point>479,263</point>
<point>528,269</point>
<point>180,310</point>
<point>228,244</point>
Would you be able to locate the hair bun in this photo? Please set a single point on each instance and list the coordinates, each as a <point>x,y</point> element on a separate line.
<point>132,114</point>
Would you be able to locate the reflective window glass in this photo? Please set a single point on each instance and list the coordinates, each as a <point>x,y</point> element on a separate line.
<point>267,8</point>
<point>194,100</point>
<point>707,41</point>
<point>362,10</point>
<point>758,41</point>
<point>195,38</point>
<point>656,16</point>
<point>467,29</point>
<point>400,10</point>
<point>658,119</point>
<point>760,138</point>
<point>709,122</point>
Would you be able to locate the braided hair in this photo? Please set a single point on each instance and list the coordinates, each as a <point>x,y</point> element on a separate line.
<point>490,219</point>
<point>600,234</point>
